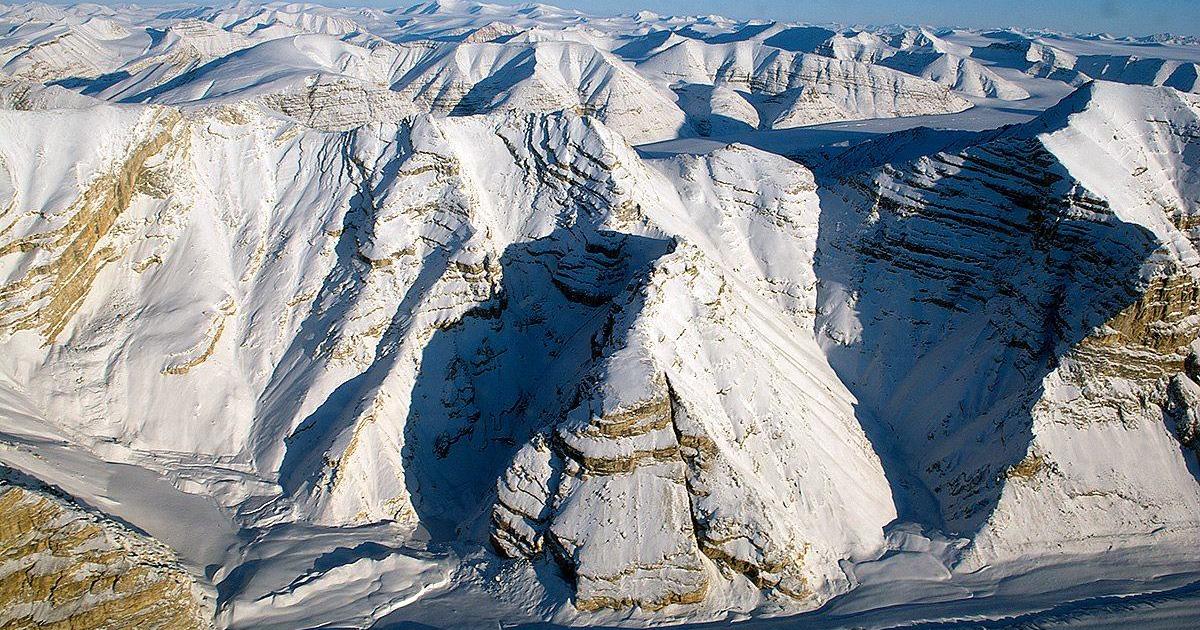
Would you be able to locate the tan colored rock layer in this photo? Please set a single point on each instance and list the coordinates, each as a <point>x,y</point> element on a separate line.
<point>61,284</point>
<point>63,568</point>
<point>533,513</point>
<point>1161,319</point>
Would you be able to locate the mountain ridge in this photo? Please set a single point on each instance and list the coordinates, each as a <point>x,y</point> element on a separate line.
<point>405,322</point>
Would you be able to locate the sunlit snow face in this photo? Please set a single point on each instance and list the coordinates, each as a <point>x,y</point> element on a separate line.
<point>321,316</point>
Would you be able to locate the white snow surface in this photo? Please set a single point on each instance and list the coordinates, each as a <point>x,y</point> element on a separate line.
<point>461,314</point>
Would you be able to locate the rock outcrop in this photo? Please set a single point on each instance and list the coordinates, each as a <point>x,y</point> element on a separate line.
<point>1046,256</point>
<point>796,89</point>
<point>64,567</point>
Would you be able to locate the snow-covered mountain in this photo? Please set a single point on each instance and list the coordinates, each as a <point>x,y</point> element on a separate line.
<point>1041,281</point>
<point>363,317</point>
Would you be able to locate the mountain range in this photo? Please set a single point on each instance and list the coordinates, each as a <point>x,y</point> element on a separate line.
<point>463,314</point>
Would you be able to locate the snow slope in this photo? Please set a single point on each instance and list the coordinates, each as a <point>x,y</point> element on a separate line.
<point>378,317</point>
<point>332,421</point>
<point>1011,252</point>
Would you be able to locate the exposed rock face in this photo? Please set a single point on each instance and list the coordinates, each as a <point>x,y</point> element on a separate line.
<point>1035,58</point>
<point>1041,58</point>
<point>490,32</point>
<point>29,95</point>
<point>338,105</point>
<point>618,448</point>
<point>957,73</point>
<point>1069,286</point>
<point>62,567</point>
<point>452,288</point>
<point>474,78</point>
<point>75,252</point>
<point>796,89</point>
<point>333,73</point>
<point>1183,403</point>
<point>606,454</point>
<point>1119,385</point>
<point>58,50</point>
<point>664,422</point>
<point>579,492</point>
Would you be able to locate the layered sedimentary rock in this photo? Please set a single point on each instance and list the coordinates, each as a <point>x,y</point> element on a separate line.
<point>1134,148</point>
<point>63,567</point>
<point>961,74</point>
<point>676,416</point>
<point>796,89</point>
<point>337,105</point>
<point>313,76</point>
<point>611,453</point>
<point>1043,58</point>
<point>542,76</point>
<point>1048,256</point>
<point>388,314</point>
<point>74,251</point>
